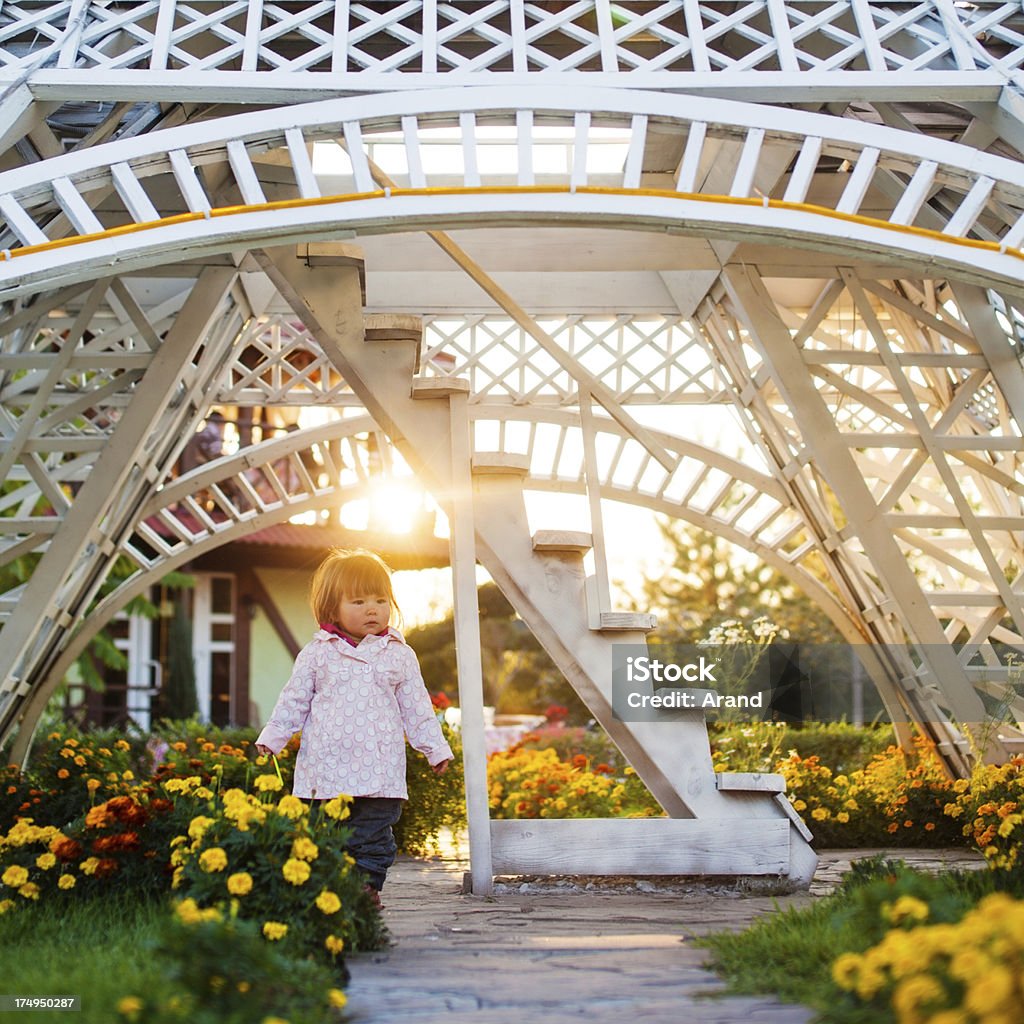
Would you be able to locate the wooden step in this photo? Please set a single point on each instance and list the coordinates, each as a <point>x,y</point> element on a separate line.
<point>640,846</point>
<point>334,254</point>
<point>610,622</point>
<point>501,464</point>
<point>783,801</point>
<point>395,328</point>
<point>563,540</point>
<point>750,782</point>
<point>439,387</point>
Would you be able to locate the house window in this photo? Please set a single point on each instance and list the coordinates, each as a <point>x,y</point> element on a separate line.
<point>213,646</point>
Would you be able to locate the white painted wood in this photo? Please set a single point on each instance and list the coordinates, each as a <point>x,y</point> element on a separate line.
<point>302,166</point>
<point>970,209</point>
<point>686,180</point>
<point>188,182</point>
<point>244,173</point>
<point>635,156</point>
<point>253,26</point>
<point>803,170</point>
<point>581,132</point>
<point>616,621</point>
<point>606,36</point>
<point>162,35</point>
<point>501,464</point>
<point>695,31</point>
<point>918,188</point>
<point>524,147</point>
<point>429,16</point>
<point>640,846</point>
<point>467,130</point>
<point>410,135</point>
<point>746,166</point>
<point>339,42</point>
<point>439,387</point>
<point>467,646</point>
<point>799,824</point>
<point>357,155</point>
<point>860,181</point>
<point>20,222</point>
<point>751,782</point>
<point>562,540</point>
<point>873,53</point>
<point>783,35</point>
<point>77,209</point>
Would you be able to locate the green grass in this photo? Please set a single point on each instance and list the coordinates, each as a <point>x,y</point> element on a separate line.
<point>790,953</point>
<point>91,949</point>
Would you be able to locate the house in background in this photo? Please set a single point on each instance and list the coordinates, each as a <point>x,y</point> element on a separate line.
<point>247,612</point>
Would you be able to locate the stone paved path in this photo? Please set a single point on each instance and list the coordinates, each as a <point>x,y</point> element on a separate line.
<point>556,951</point>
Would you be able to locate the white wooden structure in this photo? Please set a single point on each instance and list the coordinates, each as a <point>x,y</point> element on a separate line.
<point>492,235</point>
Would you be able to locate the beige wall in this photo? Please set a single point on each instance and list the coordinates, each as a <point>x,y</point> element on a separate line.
<point>270,663</point>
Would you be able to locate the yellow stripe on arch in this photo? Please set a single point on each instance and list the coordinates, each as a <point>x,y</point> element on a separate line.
<point>349,197</point>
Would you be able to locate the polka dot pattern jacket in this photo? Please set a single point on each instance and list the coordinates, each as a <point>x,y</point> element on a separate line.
<point>354,707</point>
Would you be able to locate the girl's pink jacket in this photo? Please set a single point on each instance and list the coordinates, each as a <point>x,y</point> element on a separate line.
<point>354,707</point>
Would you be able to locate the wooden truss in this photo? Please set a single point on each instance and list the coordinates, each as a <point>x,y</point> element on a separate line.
<point>853,293</point>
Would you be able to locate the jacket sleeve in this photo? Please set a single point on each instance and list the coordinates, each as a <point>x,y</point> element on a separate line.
<point>418,716</point>
<point>292,708</point>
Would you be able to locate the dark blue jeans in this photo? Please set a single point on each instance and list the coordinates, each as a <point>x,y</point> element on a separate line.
<point>373,842</point>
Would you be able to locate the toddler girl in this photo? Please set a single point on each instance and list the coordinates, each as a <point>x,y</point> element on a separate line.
<point>355,694</point>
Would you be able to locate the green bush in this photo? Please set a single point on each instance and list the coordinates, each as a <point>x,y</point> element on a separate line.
<point>435,801</point>
<point>221,971</point>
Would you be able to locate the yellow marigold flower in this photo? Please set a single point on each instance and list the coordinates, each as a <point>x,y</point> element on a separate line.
<point>122,745</point>
<point>29,890</point>
<point>178,840</point>
<point>905,908</point>
<point>291,807</point>
<point>89,866</point>
<point>305,849</point>
<point>799,805</point>
<point>274,930</point>
<point>71,743</point>
<point>188,911</point>
<point>336,997</point>
<point>328,902</point>
<point>845,969</point>
<point>6,905</point>
<point>66,882</point>
<point>240,883</point>
<point>92,785</point>
<point>105,751</point>
<point>820,813</point>
<point>274,1020</point>
<point>128,775</point>
<point>334,944</point>
<point>214,859</point>
<point>267,783</point>
<point>243,987</point>
<point>67,753</point>
<point>15,876</point>
<point>842,817</point>
<point>295,871</point>
<point>45,861</point>
<point>79,760</point>
<point>63,773</point>
<point>129,1006</point>
<point>198,826</point>
<point>338,807</point>
<point>204,794</point>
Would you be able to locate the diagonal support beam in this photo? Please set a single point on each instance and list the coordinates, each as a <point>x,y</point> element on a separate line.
<point>66,576</point>
<point>836,464</point>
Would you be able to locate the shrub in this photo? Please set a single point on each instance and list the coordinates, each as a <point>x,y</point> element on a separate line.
<point>220,970</point>
<point>990,808</point>
<point>970,972</point>
<point>435,801</point>
<point>281,865</point>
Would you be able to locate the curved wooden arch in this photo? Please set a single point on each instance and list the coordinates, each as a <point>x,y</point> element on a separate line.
<point>226,473</point>
<point>56,237</point>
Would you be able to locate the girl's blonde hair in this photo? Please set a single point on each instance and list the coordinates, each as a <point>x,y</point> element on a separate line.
<point>349,574</point>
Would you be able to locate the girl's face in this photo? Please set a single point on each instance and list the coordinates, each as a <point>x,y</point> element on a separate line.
<point>364,615</point>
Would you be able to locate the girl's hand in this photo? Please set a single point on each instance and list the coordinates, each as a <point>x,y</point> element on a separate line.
<point>440,768</point>
<point>264,749</point>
